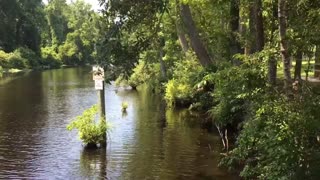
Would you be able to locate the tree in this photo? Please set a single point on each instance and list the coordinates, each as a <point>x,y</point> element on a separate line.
<point>235,46</point>
<point>56,12</point>
<point>21,22</point>
<point>193,33</point>
<point>282,9</point>
<point>317,62</point>
<point>8,14</point>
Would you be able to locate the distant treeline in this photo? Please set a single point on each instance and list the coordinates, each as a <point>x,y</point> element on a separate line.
<point>37,35</point>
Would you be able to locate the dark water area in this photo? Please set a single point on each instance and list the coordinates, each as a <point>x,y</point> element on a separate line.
<point>149,142</point>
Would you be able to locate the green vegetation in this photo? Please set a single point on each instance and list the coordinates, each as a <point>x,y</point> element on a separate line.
<point>180,89</point>
<point>231,59</point>
<point>21,58</point>
<point>279,137</point>
<point>124,106</point>
<point>90,132</point>
<point>242,62</point>
<point>34,35</point>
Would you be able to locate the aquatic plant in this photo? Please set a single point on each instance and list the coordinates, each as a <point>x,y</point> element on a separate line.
<point>124,106</point>
<point>90,132</point>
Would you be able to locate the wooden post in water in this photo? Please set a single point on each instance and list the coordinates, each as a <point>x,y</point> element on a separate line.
<point>102,108</point>
<point>98,77</point>
<point>102,103</point>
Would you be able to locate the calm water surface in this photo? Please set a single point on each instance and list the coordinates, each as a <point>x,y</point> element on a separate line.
<point>149,142</point>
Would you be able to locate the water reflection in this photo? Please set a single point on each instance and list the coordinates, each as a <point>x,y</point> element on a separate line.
<point>93,164</point>
<point>166,144</point>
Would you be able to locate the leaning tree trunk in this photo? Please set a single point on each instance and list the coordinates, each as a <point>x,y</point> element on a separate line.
<point>298,66</point>
<point>282,8</point>
<point>182,37</point>
<point>193,33</point>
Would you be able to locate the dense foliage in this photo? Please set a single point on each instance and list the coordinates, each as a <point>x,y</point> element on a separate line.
<point>232,59</point>
<point>279,140</point>
<point>90,132</point>
<point>35,35</point>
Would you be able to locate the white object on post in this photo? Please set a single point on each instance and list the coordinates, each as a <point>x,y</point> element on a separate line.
<point>98,85</point>
<point>98,73</point>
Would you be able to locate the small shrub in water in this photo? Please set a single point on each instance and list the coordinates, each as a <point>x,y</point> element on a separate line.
<point>90,132</point>
<point>124,106</point>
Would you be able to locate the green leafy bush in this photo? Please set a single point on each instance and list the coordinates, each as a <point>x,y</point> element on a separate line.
<point>21,58</point>
<point>32,60</point>
<point>121,81</point>
<point>180,89</point>
<point>90,132</point>
<point>50,57</point>
<point>143,73</point>
<point>279,139</point>
<point>16,61</point>
<point>4,59</point>
<point>234,87</point>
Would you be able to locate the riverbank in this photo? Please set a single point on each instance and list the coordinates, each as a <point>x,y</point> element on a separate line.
<point>241,99</point>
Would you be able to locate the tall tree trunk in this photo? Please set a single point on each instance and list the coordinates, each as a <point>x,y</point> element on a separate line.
<point>252,28</point>
<point>272,71</point>
<point>256,27</point>
<point>272,64</point>
<point>317,62</point>
<point>298,66</point>
<point>259,26</point>
<point>193,33</point>
<point>282,8</point>
<point>18,31</point>
<point>235,46</point>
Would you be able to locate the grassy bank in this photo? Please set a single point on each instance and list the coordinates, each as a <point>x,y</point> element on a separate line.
<point>304,69</point>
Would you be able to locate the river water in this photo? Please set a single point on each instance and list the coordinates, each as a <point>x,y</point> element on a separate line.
<point>149,142</point>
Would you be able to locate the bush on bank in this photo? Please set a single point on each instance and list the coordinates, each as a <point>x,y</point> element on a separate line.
<point>24,58</point>
<point>278,139</point>
<point>50,57</point>
<point>181,89</point>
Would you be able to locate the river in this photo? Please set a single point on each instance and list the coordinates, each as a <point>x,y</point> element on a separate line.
<point>149,142</point>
